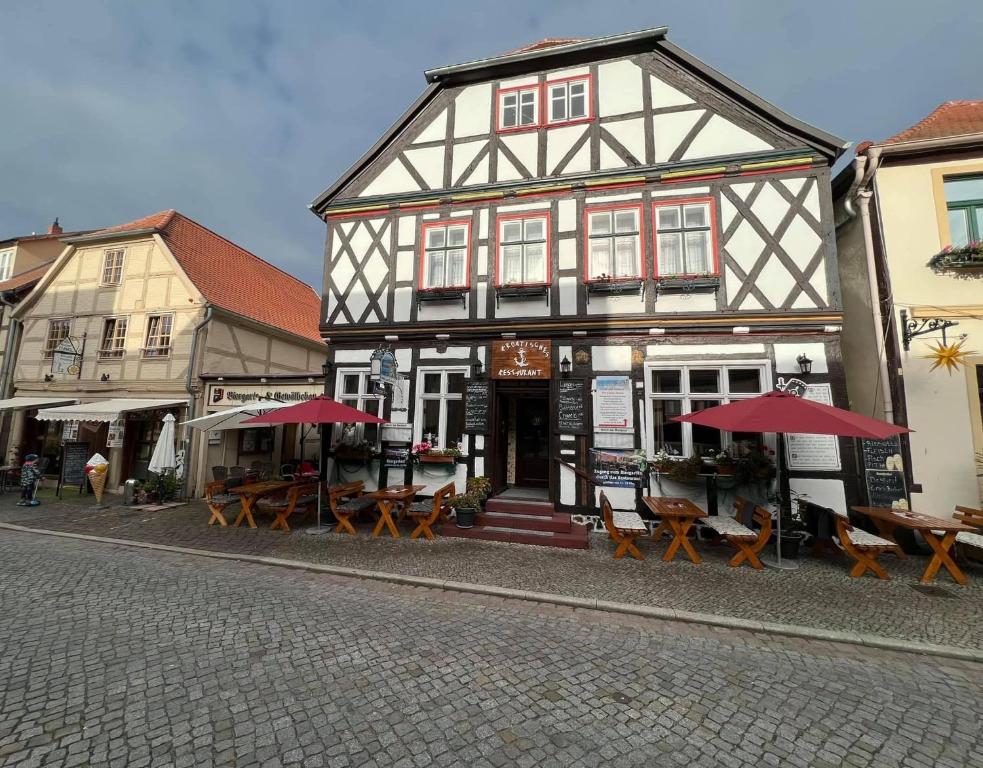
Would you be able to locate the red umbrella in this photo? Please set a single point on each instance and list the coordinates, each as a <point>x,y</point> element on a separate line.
<point>781,412</point>
<point>318,410</point>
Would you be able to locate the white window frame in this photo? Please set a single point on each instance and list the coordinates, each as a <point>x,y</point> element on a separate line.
<point>681,230</point>
<point>116,268</point>
<point>110,353</point>
<point>522,220</point>
<point>159,351</point>
<point>365,393</point>
<point>47,351</point>
<point>564,85</point>
<point>431,252</point>
<point>724,396</point>
<point>518,93</point>
<point>7,263</point>
<point>613,237</point>
<point>443,396</point>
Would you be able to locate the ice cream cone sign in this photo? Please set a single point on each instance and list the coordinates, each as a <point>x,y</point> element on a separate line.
<point>97,469</point>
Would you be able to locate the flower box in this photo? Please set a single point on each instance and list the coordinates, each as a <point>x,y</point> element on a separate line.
<point>427,458</point>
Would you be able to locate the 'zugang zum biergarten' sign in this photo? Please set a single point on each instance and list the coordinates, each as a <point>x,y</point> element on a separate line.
<point>520,359</point>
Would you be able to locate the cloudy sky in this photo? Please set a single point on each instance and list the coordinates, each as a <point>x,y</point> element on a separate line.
<point>239,112</point>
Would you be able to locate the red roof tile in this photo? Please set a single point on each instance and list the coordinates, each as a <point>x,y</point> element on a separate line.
<point>549,42</point>
<point>953,118</point>
<point>231,277</point>
<point>27,277</point>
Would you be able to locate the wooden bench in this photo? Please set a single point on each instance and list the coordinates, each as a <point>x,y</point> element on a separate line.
<point>623,528</point>
<point>300,498</point>
<point>748,542</point>
<point>973,517</point>
<point>218,500</point>
<point>862,546</point>
<point>347,500</point>
<point>426,513</point>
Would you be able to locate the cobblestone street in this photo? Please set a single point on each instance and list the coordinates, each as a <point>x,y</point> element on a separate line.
<point>820,594</point>
<point>117,656</point>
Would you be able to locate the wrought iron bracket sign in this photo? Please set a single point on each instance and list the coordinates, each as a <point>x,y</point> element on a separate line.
<point>910,328</point>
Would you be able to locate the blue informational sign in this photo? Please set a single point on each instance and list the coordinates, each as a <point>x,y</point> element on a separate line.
<point>384,361</point>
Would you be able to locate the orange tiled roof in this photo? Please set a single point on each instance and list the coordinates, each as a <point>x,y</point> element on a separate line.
<point>26,277</point>
<point>231,277</point>
<point>953,118</point>
<point>549,42</point>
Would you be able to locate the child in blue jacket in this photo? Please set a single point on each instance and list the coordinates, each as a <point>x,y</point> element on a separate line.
<point>29,475</point>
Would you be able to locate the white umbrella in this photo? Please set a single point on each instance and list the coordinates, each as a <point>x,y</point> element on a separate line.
<point>163,456</point>
<point>233,418</point>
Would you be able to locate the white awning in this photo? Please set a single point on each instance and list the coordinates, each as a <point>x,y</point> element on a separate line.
<point>25,403</point>
<point>104,410</point>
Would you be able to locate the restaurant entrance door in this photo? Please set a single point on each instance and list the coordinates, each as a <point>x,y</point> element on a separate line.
<point>522,432</point>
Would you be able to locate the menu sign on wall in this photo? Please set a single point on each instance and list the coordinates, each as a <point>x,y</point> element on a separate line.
<point>520,359</point>
<point>476,407</point>
<point>612,405</point>
<point>814,452</point>
<point>571,407</point>
<point>884,472</point>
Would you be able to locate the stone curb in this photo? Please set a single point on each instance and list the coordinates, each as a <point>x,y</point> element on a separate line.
<point>646,611</point>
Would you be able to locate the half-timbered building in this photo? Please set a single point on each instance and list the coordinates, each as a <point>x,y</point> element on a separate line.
<point>607,223</point>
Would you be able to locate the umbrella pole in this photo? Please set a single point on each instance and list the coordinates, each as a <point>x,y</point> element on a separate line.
<point>782,480</point>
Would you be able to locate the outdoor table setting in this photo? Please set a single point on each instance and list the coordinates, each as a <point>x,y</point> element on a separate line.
<point>253,492</point>
<point>939,534</point>
<point>387,500</point>
<point>678,516</point>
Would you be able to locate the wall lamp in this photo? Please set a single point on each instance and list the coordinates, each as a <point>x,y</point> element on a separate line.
<point>477,368</point>
<point>565,367</point>
<point>805,364</point>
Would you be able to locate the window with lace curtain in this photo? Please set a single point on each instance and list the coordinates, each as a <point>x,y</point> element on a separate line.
<point>613,243</point>
<point>445,254</point>
<point>684,242</point>
<point>523,249</point>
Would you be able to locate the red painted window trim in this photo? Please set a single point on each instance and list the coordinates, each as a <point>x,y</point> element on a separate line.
<point>714,241</point>
<point>543,214</point>
<point>423,253</point>
<point>642,255</point>
<point>547,123</point>
<point>519,128</point>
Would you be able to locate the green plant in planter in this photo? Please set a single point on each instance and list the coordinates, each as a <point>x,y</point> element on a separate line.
<point>163,487</point>
<point>969,256</point>
<point>466,506</point>
<point>479,486</point>
<point>725,463</point>
<point>677,468</point>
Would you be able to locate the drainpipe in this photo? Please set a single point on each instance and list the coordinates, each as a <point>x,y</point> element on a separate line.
<point>192,364</point>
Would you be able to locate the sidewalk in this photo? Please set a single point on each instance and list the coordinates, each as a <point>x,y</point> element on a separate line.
<point>819,595</point>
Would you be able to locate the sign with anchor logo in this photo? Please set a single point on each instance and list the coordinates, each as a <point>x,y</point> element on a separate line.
<point>520,359</point>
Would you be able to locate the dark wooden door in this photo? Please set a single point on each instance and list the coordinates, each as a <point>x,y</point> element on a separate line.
<point>532,441</point>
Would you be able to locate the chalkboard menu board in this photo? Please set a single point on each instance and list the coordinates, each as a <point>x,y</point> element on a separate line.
<point>73,463</point>
<point>883,471</point>
<point>571,407</point>
<point>476,407</point>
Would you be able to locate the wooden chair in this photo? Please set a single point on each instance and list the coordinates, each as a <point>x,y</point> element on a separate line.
<point>623,528</point>
<point>219,473</point>
<point>217,500</point>
<point>347,500</point>
<point>862,546</point>
<point>748,543</point>
<point>300,498</point>
<point>427,513</point>
<point>973,517</point>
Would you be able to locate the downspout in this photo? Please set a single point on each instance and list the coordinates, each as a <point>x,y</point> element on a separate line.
<point>192,364</point>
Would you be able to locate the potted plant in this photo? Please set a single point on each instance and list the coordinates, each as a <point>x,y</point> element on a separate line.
<point>480,487</point>
<point>353,450</point>
<point>960,257</point>
<point>680,469</point>
<point>793,526</point>
<point>725,463</point>
<point>756,465</point>
<point>427,453</point>
<point>465,507</point>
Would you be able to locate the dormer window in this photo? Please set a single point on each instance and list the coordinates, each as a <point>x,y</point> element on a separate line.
<point>568,100</point>
<point>518,108</point>
<point>445,255</point>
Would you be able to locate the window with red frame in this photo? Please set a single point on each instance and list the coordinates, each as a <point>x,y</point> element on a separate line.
<point>445,256</point>
<point>684,239</point>
<point>568,100</point>
<point>518,108</point>
<point>614,244</point>
<point>522,250</point>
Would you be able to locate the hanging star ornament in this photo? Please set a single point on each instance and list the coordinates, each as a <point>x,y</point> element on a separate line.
<point>948,356</point>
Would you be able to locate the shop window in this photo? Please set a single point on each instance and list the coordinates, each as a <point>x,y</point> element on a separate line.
<point>964,206</point>
<point>684,241</point>
<point>158,342</point>
<point>440,407</point>
<point>569,100</point>
<point>614,244</point>
<point>112,267</point>
<point>113,338</point>
<point>58,331</point>
<point>523,249</point>
<point>518,108</point>
<point>354,388</point>
<point>680,389</point>
<point>445,255</point>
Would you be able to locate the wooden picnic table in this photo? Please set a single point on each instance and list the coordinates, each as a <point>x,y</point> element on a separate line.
<point>887,519</point>
<point>387,499</point>
<point>678,516</point>
<point>250,493</point>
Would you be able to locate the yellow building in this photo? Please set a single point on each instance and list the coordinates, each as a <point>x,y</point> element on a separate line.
<point>154,309</point>
<point>913,199</point>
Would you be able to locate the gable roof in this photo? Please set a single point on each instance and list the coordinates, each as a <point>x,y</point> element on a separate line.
<point>228,276</point>
<point>558,52</point>
<point>950,119</point>
<point>26,278</point>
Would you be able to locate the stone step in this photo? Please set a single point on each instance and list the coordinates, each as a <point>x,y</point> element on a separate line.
<point>557,522</point>
<point>576,539</point>
<point>520,507</point>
